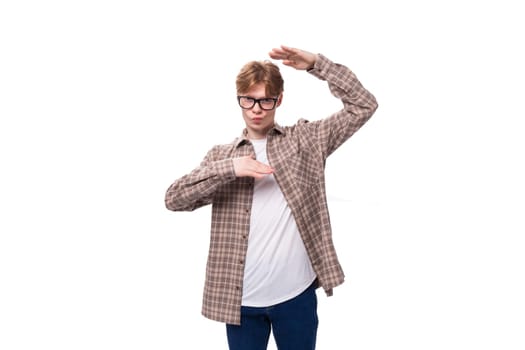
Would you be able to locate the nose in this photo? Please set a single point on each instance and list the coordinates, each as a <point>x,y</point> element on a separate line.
<point>257,107</point>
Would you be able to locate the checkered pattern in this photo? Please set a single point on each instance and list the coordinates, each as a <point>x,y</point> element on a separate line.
<point>298,154</point>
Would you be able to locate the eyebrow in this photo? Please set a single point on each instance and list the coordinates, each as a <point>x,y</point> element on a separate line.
<point>262,98</point>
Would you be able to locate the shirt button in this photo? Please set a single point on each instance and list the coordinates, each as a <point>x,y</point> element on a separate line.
<point>241,261</point>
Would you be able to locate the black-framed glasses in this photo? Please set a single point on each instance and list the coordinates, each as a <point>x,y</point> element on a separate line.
<point>247,102</point>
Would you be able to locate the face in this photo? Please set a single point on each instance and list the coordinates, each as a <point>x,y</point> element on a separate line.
<point>259,121</point>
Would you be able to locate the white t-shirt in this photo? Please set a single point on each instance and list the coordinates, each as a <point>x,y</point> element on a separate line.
<point>277,266</point>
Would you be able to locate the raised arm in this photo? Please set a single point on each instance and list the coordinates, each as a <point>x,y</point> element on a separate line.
<point>358,103</point>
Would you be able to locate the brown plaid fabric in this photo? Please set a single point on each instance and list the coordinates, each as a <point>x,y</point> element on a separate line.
<point>298,154</point>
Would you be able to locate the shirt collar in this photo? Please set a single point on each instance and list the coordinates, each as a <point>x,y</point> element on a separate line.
<point>244,136</point>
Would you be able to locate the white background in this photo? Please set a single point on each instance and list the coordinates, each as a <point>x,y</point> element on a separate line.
<point>104,103</point>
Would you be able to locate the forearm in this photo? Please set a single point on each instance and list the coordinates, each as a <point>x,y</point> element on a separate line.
<point>345,85</point>
<point>358,104</point>
<point>196,189</point>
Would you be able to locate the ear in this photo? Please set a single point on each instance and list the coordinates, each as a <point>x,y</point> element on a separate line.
<point>280,99</point>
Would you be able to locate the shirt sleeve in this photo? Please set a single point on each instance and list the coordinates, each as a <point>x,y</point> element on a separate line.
<point>358,105</point>
<point>197,188</point>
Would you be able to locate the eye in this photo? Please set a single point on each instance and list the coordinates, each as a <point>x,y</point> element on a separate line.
<point>247,100</point>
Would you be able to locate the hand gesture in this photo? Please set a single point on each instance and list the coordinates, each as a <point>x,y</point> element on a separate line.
<point>248,166</point>
<point>292,57</point>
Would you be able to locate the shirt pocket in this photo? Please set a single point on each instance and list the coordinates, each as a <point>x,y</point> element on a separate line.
<point>305,168</point>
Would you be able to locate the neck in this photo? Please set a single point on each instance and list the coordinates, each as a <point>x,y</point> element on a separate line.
<point>257,134</point>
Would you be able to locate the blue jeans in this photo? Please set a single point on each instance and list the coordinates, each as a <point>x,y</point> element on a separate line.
<point>293,322</point>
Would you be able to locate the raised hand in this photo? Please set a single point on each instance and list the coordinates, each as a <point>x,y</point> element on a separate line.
<point>296,58</point>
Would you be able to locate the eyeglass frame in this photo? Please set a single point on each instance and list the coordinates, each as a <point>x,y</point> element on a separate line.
<point>258,101</point>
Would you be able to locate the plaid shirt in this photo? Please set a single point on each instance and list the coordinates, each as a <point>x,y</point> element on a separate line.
<point>298,154</point>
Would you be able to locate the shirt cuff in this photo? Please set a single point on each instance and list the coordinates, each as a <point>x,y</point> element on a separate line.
<point>225,170</point>
<point>321,67</point>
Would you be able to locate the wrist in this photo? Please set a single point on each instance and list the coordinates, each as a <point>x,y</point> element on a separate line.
<point>312,65</point>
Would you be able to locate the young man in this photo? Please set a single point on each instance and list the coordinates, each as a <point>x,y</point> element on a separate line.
<point>271,240</point>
